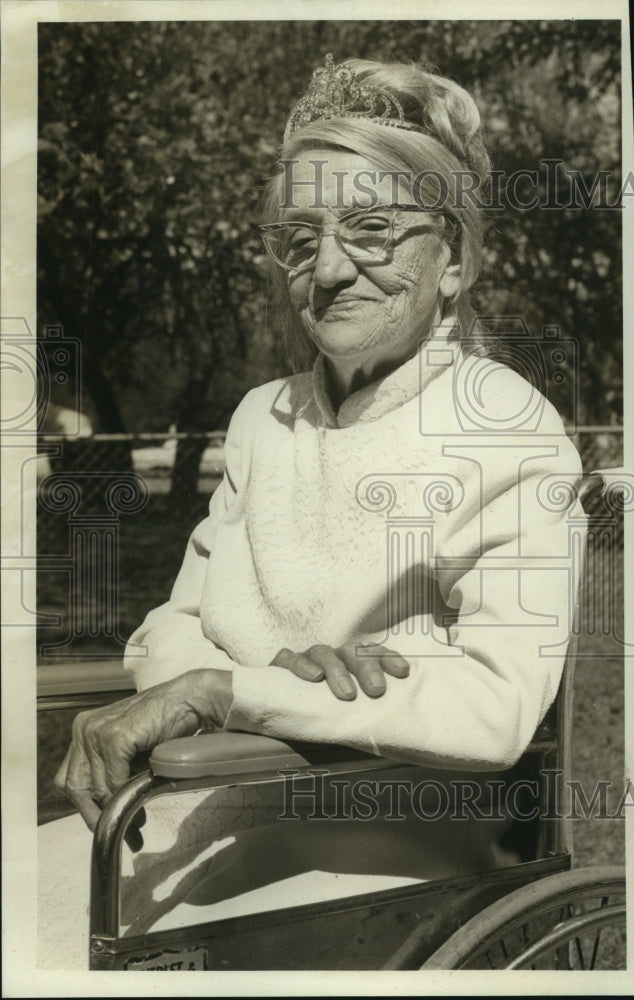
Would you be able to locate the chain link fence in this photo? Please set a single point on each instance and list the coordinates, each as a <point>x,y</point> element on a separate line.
<point>112,529</point>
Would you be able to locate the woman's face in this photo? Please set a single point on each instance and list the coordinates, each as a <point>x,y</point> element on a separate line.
<point>365,317</point>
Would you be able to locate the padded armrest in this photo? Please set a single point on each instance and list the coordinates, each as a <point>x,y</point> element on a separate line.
<point>210,754</point>
<point>227,753</point>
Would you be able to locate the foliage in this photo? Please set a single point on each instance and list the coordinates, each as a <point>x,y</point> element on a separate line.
<point>155,141</point>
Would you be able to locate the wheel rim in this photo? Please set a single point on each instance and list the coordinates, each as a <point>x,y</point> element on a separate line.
<point>560,922</point>
<point>573,932</point>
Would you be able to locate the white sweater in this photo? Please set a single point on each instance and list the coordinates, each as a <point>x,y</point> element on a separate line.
<point>425,496</point>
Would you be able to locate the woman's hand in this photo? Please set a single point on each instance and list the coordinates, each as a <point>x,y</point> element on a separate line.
<point>337,666</point>
<point>105,740</point>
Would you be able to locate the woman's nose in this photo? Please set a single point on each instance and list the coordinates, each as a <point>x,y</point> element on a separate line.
<point>333,265</point>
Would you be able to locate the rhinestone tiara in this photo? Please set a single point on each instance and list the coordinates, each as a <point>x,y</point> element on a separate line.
<point>334,93</point>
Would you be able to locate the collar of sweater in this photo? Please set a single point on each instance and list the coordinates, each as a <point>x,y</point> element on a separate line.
<point>393,390</point>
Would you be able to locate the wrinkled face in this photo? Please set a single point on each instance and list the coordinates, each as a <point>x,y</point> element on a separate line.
<point>359,310</point>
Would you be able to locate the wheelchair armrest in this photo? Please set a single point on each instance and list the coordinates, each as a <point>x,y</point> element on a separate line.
<point>222,754</point>
<point>211,754</point>
<point>225,753</point>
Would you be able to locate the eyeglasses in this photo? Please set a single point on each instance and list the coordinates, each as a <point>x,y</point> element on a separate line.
<point>366,235</point>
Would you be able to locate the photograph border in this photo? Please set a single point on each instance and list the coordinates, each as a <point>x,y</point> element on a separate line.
<point>18,25</point>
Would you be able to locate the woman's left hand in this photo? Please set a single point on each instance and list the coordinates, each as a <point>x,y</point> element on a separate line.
<point>338,667</point>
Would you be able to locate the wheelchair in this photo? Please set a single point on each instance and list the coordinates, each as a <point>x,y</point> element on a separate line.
<point>534,913</point>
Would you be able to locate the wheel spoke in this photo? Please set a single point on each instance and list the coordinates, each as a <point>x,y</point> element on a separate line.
<point>564,932</point>
<point>595,949</point>
<point>579,950</point>
<point>562,958</point>
<point>553,924</point>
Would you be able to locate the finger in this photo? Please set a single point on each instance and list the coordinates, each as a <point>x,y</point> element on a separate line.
<point>89,811</point>
<point>86,778</point>
<point>110,745</point>
<point>299,664</point>
<point>368,672</point>
<point>116,763</point>
<point>337,676</point>
<point>133,837</point>
<point>394,664</point>
<point>391,662</point>
<point>60,775</point>
<point>117,773</point>
<point>302,666</point>
<point>73,779</point>
<point>100,787</point>
<point>283,658</point>
<point>91,801</point>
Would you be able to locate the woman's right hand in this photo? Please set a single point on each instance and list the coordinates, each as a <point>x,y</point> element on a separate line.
<point>106,739</point>
<point>339,666</point>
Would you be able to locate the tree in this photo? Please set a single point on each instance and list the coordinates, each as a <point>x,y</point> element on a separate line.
<point>156,139</point>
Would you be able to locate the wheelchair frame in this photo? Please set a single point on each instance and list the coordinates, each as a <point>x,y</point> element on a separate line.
<point>371,925</point>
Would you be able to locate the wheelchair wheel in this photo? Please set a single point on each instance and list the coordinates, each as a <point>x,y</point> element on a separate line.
<point>574,920</point>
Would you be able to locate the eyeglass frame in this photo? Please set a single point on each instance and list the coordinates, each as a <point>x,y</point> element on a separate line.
<point>270,227</point>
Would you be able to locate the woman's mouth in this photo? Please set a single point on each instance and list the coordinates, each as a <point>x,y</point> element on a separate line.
<point>341,304</point>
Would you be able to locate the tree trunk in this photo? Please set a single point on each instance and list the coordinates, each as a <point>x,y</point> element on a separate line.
<point>185,473</point>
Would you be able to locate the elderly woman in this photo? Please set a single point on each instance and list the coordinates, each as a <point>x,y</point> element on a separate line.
<point>290,616</point>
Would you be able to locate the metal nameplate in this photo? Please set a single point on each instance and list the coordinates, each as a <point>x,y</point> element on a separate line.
<point>170,960</point>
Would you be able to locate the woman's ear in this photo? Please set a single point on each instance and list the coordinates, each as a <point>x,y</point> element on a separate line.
<point>450,281</point>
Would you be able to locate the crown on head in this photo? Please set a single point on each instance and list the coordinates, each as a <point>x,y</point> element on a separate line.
<point>333,92</point>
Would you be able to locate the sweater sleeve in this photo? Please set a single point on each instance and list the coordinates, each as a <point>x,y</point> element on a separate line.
<point>171,641</point>
<point>505,563</point>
